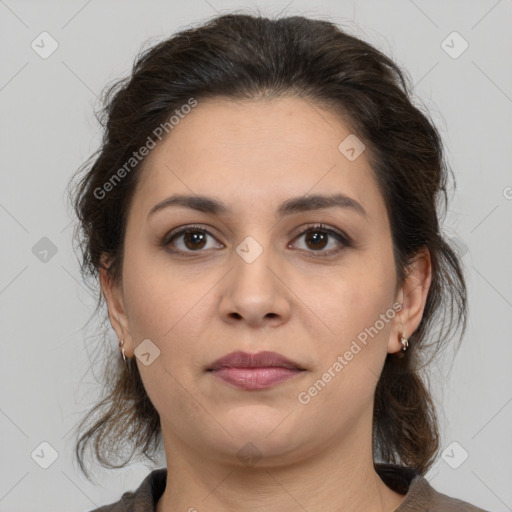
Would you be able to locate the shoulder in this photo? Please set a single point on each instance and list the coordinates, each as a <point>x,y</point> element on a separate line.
<point>144,498</point>
<point>423,497</point>
<point>420,496</point>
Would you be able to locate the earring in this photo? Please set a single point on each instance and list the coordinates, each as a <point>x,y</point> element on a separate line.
<point>405,343</point>
<point>122,350</point>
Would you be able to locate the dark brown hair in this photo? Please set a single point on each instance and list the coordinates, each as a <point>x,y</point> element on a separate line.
<point>244,57</point>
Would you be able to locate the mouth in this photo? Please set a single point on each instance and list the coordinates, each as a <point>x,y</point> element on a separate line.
<point>259,360</point>
<point>255,371</point>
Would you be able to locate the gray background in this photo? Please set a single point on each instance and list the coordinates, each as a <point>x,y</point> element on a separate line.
<point>48,129</point>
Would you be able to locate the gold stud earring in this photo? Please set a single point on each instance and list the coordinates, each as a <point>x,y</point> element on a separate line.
<point>405,343</point>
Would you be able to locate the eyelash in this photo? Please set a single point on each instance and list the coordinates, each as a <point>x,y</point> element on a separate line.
<point>341,237</point>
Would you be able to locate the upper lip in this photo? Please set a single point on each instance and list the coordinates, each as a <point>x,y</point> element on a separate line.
<point>260,360</point>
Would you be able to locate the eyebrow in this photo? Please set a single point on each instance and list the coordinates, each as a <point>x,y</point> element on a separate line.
<point>290,206</point>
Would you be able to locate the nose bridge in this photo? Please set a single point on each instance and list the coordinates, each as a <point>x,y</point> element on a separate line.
<point>253,291</point>
<point>252,259</point>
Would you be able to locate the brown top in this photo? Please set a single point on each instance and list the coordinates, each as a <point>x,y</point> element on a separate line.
<point>420,496</point>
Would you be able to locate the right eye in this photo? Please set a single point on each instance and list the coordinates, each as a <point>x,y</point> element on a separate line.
<point>190,239</point>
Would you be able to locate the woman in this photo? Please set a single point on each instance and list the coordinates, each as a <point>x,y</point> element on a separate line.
<point>262,219</point>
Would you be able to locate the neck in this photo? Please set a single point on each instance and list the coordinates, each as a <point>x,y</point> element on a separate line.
<point>341,477</point>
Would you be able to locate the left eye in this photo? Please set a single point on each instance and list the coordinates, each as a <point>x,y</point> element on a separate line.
<point>317,237</point>
<point>194,239</point>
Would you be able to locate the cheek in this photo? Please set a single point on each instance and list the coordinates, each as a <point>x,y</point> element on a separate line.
<point>157,294</point>
<point>166,308</point>
<point>359,311</point>
<point>171,306</point>
<point>363,292</point>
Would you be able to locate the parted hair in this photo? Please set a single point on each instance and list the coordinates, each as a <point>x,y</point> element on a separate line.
<point>244,56</point>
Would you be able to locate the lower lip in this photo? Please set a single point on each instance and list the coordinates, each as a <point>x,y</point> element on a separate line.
<point>255,378</point>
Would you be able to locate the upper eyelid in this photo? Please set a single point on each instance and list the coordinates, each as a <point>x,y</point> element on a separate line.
<point>302,230</point>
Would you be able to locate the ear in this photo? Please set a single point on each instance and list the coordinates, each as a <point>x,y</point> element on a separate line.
<point>413,297</point>
<point>113,293</point>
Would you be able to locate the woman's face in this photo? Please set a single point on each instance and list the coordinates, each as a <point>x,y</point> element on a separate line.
<point>260,277</point>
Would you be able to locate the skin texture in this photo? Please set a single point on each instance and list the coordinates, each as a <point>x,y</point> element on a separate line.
<point>253,155</point>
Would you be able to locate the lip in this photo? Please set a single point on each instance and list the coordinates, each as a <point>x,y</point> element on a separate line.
<point>260,360</point>
<point>255,371</point>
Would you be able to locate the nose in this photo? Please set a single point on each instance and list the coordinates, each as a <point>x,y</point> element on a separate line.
<point>255,292</point>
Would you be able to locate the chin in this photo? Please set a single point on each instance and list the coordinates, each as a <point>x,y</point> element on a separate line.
<point>265,439</point>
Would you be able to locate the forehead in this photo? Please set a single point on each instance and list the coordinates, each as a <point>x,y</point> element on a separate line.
<point>254,151</point>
